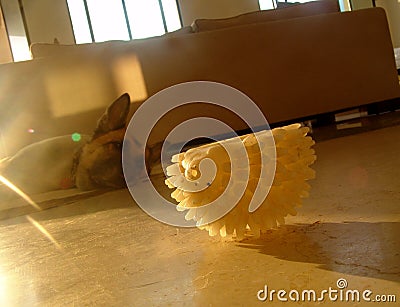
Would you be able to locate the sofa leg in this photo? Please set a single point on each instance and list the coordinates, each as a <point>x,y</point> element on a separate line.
<point>325,119</point>
<point>384,106</point>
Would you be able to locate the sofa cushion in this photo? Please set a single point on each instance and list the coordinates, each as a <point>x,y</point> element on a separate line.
<point>181,31</point>
<point>293,11</point>
<point>39,50</point>
<point>349,51</point>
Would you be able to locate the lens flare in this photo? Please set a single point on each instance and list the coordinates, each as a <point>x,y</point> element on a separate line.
<point>44,231</point>
<point>14,188</point>
<point>76,137</point>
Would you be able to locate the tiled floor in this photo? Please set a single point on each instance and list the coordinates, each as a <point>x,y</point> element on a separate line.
<point>103,250</point>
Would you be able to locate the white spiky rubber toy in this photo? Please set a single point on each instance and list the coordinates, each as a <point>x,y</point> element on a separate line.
<point>218,195</point>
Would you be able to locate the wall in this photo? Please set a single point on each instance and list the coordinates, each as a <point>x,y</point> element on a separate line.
<point>361,4</point>
<point>47,20</point>
<point>5,51</point>
<point>196,9</point>
<point>15,29</point>
<point>392,8</point>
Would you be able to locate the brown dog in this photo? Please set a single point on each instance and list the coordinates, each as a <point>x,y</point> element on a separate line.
<point>93,162</point>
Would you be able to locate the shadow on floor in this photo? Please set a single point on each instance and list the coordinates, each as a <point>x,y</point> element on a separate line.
<point>356,248</point>
<point>73,206</point>
<point>78,202</point>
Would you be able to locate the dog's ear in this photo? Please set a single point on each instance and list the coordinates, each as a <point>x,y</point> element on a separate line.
<point>114,117</point>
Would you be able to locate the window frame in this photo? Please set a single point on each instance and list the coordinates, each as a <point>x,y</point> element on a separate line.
<point>127,21</point>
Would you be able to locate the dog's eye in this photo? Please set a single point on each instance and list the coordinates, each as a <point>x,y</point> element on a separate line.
<point>117,145</point>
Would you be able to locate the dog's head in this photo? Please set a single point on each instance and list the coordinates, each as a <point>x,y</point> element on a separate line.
<point>99,162</point>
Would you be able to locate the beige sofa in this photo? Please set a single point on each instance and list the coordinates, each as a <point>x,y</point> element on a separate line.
<point>294,63</point>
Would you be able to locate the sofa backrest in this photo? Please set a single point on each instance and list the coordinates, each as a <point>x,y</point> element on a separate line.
<point>292,11</point>
<point>291,68</point>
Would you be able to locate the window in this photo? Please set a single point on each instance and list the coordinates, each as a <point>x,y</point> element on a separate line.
<point>108,20</point>
<point>15,28</point>
<point>345,5</point>
<point>273,4</point>
<point>102,20</point>
<point>267,4</point>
